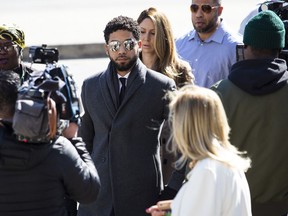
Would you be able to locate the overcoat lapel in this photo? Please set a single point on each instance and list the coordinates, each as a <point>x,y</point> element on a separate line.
<point>108,89</point>
<point>135,80</point>
<point>109,85</point>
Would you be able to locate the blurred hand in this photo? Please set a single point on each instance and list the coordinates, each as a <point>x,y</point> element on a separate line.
<point>71,131</point>
<point>155,211</point>
<point>160,209</point>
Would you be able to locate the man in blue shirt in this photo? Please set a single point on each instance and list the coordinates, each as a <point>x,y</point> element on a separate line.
<point>209,48</point>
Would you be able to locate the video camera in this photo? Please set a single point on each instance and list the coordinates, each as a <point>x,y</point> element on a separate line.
<point>281,9</point>
<point>70,110</point>
<point>43,55</point>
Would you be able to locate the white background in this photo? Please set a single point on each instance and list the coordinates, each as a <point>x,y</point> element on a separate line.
<point>83,21</point>
<point>56,22</point>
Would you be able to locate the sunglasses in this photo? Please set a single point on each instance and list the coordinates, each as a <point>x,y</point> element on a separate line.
<point>205,8</point>
<point>7,47</point>
<point>129,44</point>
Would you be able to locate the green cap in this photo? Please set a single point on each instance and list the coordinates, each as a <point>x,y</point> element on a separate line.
<point>265,30</point>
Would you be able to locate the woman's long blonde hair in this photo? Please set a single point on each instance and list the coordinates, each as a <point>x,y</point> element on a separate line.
<point>200,128</point>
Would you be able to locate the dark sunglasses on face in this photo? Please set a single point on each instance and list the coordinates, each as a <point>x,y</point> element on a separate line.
<point>205,8</point>
<point>129,44</point>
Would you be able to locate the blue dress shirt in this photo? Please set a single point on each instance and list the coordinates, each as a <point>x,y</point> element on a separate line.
<point>211,59</point>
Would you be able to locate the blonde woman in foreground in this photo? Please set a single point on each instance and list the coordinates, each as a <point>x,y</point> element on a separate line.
<point>216,185</point>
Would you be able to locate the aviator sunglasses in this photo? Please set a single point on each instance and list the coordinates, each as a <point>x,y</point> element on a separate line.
<point>205,8</point>
<point>129,44</point>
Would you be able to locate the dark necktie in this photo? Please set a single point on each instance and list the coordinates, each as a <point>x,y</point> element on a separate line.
<point>122,90</point>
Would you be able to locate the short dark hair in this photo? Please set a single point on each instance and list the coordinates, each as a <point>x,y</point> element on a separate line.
<point>9,84</point>
<point>122,23</point>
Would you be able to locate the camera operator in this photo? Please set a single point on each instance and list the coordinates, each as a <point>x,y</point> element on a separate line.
<point>12,43</point>
<point>36,174</point>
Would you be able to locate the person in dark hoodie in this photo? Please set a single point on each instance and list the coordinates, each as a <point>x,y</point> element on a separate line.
<point>255,100</point>
<point>36,178</point>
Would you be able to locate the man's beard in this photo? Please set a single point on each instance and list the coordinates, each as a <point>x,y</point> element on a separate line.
<point>209,28</point>
<point>124,67</point>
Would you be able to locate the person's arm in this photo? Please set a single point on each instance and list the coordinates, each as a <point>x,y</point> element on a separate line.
<point>71,131</point>
<point>86,129</point>
<point>175,182</point>
<point>177,177</point>
<point>80,176</point>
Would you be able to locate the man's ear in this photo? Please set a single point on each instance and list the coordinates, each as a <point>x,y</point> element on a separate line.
<point>106,49</point>
<point>220,9</point>
<point>140,44</point>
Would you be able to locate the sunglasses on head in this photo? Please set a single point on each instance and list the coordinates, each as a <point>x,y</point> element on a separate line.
<point>128,44</point>
<point>205,8</point>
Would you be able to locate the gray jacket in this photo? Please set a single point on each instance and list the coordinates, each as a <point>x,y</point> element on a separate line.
<point>124,141</point>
